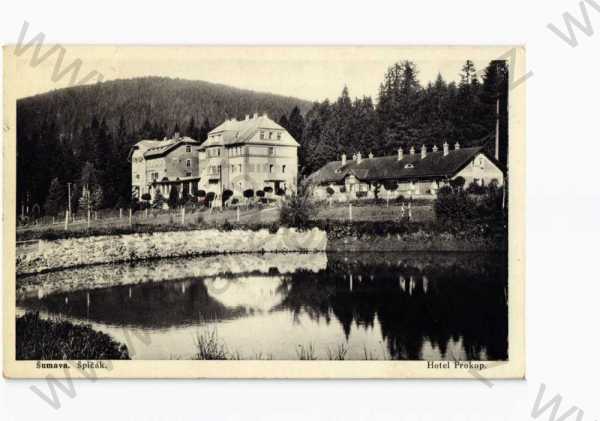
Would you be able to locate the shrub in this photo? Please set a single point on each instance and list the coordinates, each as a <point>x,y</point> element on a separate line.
<point>343,189</point>
<point>234,201</point>
<point>260,193</point>
<point>268,189</point>
<point>475,188</point>
<point>173,197</point>
<point>330,191</point>
<point>249,194</point>
<point>146,197</point>
<point>361,194</point>
<point>390,185</point>
<point>279,192</point>
<point>159,200</point>
<point>298,209</point>
<point>457,183</point>
<point>210,196</point>
<point>200,193</point>
<point>226,195</point>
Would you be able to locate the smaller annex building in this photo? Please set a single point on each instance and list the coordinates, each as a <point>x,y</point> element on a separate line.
<point>157,165</point>
<point>415,174</point>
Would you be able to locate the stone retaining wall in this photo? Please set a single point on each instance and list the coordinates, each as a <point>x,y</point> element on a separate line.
<point>67,253</point>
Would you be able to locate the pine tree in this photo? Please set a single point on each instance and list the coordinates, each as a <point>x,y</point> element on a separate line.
<point>56,199</point>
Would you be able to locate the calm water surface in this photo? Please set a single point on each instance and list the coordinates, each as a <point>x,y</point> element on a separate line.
<point>408,306</point>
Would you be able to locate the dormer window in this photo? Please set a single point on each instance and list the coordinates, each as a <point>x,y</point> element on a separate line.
<point>270,135</point>
<point>409,166</point>
<point>278,135</point>
<point>188,149</point>
<point>262,135</point>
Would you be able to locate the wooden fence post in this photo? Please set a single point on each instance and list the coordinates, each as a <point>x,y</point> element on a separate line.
<point>120,213</point>
<point>182,215</point>
<point>66,220</point>
<point>130,217</point>
<point>350,211</point>
<point>89,217</point>
<point>238,213</point>
<point>146,213</point>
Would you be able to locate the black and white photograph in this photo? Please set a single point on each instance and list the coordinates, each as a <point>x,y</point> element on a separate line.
<point>269,204</point>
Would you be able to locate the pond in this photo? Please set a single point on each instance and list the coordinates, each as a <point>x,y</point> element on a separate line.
<point>356,306</point>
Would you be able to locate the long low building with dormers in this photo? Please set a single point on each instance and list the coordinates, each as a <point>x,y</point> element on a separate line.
<point>416,174</point>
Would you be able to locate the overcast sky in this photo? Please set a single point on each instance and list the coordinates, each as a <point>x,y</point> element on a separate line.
<point>311,73</point>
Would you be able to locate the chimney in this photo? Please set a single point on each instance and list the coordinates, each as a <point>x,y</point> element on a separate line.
<point>255,115</point>
<point>343,159</point>
<point>423,151</point>
<point>446,148</point>
<point>247,117</point>
<point>370,155</point>
<point>456,146</point>
<point>435,148</point>
<point>358,158</point>
<point>412,150</point>
<point>400,154</point>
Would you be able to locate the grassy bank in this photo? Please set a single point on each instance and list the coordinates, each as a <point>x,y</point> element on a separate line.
<point>39,339</point>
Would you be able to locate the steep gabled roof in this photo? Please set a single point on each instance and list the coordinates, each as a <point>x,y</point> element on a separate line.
<point>233,132</point>
<point>152,148</point>
<point>434,165</point>
<point>169,145</point>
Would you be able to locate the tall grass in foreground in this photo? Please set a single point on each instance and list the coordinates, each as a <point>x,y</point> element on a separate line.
<point>339,353</point>
<point>209,347</point>
<point>306,352</point>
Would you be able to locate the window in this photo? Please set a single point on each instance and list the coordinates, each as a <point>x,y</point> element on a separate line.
<point>137,176</point>
<point>188,163</point>
<point>233,168</point>
<point>218,151</point>
<point>262,135</point>
<point>270,135</point>
<point>240,167</point>
<point>481,163</point>
<point>283,169</point>
<point>188,174</point>
<point>278,135</point>
<point>271,168</point>
<point>188,149</point>
<point>271,151</point>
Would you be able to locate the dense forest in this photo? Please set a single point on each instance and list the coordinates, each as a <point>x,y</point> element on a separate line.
<point>82,135</point>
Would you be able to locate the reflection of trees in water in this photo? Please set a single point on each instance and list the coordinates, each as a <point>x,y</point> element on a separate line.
<point>443,300</point>
<point>150,305</point>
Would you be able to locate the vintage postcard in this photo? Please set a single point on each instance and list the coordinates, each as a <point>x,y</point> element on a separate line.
<point>264,212</point>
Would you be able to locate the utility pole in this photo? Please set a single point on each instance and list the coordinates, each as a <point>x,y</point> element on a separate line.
<point>497,150</point>
<point>69,188</point>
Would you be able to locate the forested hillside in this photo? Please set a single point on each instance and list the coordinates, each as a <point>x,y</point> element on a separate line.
<point>82,135</point>
<point>58,132</point>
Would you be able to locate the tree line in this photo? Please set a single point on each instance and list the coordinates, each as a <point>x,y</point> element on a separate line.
<point>406,114</point>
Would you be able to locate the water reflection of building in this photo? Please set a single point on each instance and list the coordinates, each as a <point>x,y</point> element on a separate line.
<point>252,293</point>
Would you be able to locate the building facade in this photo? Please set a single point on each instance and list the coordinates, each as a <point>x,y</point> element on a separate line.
<point>157,165</point>
<point>415,174</point>
<point>254,153</point>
